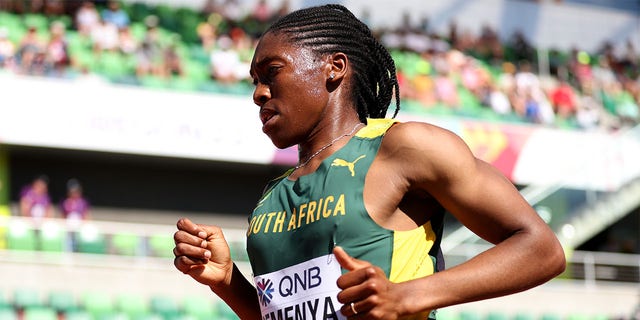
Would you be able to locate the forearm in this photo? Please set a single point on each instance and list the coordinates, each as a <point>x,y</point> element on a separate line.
<point>240,295</point>
<point>518,263</point>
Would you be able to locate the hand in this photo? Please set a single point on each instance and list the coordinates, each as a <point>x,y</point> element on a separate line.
<point>367,287</point>
<point>203,253</point>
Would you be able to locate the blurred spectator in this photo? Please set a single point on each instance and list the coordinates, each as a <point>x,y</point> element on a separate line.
<point>127,43</point>
<point>444,82</point>
<point>57,53</point>
<point>31,53</point>
<point>104,36</point>
<point>7,49</point>
<point>232,10</point>
<point>563,99</point>
<point>208,31</point>
<point>115,14</point>
<point>149,54</point>
<point>210,7</point>
<point>226,65</point>
<point>75,207</point>
<point>284,9</point>
<point>34,199</point>
<point>172,61</point>
<point>54,7</point>
<point>86,18</point>
<point>521,49</point>
<point>261,12</point>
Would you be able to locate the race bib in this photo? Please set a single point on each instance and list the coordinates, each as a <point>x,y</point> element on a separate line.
<point>307,290</point>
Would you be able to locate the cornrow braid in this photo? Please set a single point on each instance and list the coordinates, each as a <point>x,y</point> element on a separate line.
<point>333,28</point>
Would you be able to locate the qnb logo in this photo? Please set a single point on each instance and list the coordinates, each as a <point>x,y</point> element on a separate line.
<point>265,291</point>
<point>350,165</point>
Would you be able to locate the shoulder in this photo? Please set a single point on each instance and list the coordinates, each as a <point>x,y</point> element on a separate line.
<point>424,150</point>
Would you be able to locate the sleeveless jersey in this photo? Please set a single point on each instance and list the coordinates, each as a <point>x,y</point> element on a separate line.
<point>296,224</point>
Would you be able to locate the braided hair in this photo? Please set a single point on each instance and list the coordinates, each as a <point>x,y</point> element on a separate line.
<point>333,28</point>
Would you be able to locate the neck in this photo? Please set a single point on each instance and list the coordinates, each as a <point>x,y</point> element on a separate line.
<point>307,154</point>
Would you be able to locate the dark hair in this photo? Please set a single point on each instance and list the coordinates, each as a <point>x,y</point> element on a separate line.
<point>333,28</point>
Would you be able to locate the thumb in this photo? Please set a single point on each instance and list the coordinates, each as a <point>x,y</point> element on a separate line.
<point>348,262</point>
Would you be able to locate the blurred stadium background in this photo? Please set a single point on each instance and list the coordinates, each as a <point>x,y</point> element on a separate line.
<point>155,120</point>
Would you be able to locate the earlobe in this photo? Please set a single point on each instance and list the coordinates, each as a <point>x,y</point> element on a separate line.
<point>338,66</point>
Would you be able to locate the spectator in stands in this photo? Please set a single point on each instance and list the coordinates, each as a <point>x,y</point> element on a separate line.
<point>226,65</point>
<point>261,12</point>
<point>104,37</point>
<point>232,10</point>
<point>115,14</point>
<point>563,99</point>
<point>149,53</point>
<point>31,53</point>
<point>127,43</point>
<point>34,199</point>
<point>172,64</point>
<point>75,207</point>
<point>86,18</point>
<point>444,82</point>
<point>284,9</point>
<point>7,49</point>
<point>208,31</point>
<point>57,52</point>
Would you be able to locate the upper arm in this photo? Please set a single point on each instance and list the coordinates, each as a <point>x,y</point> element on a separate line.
<point>478,195</point>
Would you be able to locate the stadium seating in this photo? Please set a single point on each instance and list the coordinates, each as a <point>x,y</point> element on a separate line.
<point>91,240</point>
<point>21,236</point>
<point>52,237</point>
<point>127,244</point>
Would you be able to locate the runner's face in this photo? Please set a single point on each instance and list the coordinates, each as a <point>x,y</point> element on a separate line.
<point>290,89</point>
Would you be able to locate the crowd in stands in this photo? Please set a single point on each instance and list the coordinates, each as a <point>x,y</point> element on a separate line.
<point>35,202</point>
<point>458,73</point>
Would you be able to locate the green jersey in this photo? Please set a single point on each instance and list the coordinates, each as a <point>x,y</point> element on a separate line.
<point>296,224</point>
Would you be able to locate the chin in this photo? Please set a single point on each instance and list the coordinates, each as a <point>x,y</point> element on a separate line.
<point>279,142</point>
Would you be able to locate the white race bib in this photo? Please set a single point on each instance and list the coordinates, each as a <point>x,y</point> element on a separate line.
<point>307,290</point>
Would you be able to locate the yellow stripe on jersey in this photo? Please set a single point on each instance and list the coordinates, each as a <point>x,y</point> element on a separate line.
<point>375,128</point>
<point>411,258</point>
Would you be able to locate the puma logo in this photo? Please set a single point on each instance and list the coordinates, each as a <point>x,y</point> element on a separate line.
<point>349,165</point>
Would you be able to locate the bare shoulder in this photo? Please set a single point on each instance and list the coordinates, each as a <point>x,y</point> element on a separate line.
<point>424,150</point>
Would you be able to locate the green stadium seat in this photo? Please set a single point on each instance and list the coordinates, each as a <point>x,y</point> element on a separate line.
<point>40,313</point>
<point>53,238</point>
<point>62,301</point>
<point>97,304</point>
<point>183,84</point>
<point>125,243</point>
<point>91,240</point>
<point>551,316</point>
<point>469,315</point>
<point>78,315</point>
<point>201,308</point>
<point>154,82</point>
<point>21,236</point>
<point>24,298</point>
<point>132,305</point>
<point>114,65</point>
<point>164,306</point>
<point>523,316</point>
<point>496,315</point>
<point>8,314</point>
<point>224,312</point>
<point>4,301</point>
<point>36,20</point>
<point>447,314</point>
<point>161,245</point>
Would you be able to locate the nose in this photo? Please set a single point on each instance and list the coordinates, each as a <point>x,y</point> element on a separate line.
<point>261,94</point>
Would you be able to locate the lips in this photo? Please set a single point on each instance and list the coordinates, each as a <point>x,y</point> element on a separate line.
<point>266,115</point>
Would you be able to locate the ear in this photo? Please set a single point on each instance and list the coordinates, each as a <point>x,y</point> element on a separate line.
<point>337,67</point>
